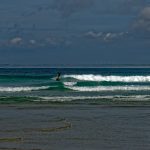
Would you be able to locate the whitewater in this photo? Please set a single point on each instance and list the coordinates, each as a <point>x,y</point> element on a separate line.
<point>110,78</point>
<point>84,85</point>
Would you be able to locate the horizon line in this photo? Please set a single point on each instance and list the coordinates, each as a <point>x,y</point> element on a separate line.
<point>76,66</point>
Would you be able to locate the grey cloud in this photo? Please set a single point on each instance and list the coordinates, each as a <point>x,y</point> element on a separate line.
<point>16,40</point>
<point>143,21</point>
<point>92,34</point>
<point>105,36</point>
<point>68,7</point>
<point>131,6</point>
<point>57,41</point>
<point>36,10</point>
<point>33,42</point>
<point>52,41</point>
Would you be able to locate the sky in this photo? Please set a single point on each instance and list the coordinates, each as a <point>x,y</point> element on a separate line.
<point>74,32</point>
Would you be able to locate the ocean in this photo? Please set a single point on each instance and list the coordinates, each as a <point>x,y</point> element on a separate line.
<point>87,109</point>
<point>76,86</point>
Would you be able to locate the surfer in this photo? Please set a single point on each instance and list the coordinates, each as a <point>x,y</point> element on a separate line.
<point>58,76</point>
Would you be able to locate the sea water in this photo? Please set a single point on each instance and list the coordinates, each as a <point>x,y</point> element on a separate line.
<point>81,111</point>
<point>76,85</point>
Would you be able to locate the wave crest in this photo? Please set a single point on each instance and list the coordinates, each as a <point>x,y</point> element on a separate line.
<point>110,88</point>
<point>111,78</point>
<point>69,83</point>
<point>20,89</point>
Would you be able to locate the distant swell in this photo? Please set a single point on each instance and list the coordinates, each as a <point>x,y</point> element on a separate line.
<point>19,89</point>
<point>111,78</point>
<point>111,88</point>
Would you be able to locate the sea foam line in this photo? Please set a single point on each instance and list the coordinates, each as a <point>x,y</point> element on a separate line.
<point>69,83</point>
<point>111,97</point>
<point>110,88</point>
<point>111,78</point>
<point>19,89</point>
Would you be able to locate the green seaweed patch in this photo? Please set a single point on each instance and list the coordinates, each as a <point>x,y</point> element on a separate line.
<point>11,139</point>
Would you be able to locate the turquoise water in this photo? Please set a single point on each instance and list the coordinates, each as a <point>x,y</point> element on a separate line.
<point>77,85</point>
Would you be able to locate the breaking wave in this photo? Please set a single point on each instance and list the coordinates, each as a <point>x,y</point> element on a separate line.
<point>72,98</point>
<point>20,89</point>
<point>110,88</point>
<point>110,78</point>
<point>69,83</point>
<point>111,97</point>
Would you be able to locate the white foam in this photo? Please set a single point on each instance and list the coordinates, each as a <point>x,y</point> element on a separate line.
<point>110,88</point>
<point>69,83</point>
<point>100,78</point>
<point>114,97</point>
<point>70,98</point>
<point>19,89</point>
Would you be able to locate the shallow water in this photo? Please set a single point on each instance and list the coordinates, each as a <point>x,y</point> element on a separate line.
<point>88,109</point>
<point>74,127</point>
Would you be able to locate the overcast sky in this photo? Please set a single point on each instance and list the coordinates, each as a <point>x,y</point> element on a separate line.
<point>74,32</point>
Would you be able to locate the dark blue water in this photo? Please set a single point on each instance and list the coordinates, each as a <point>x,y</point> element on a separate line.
<point>76,85</point>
